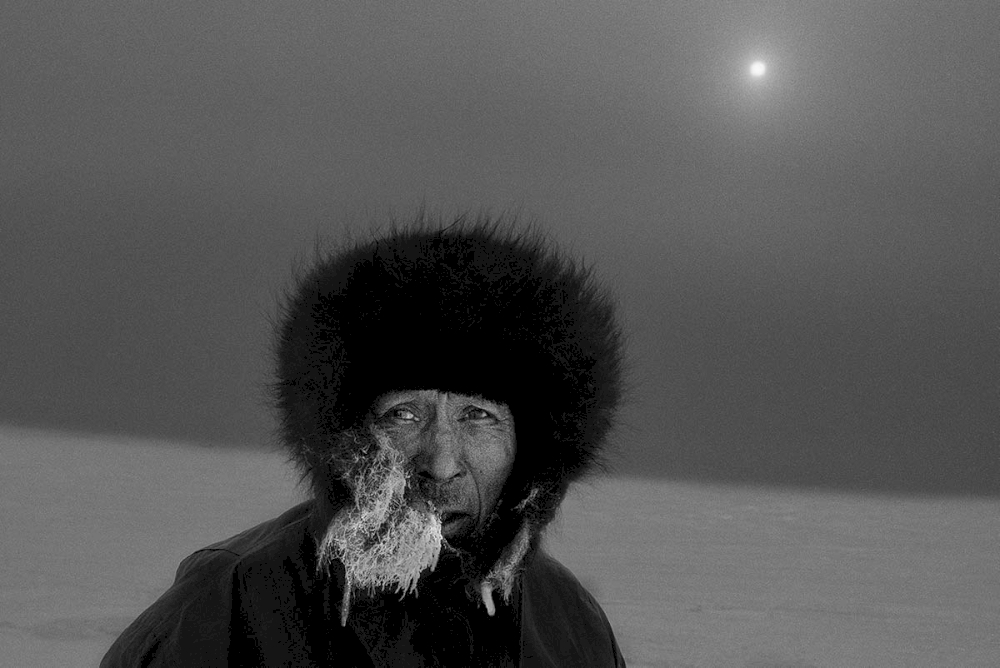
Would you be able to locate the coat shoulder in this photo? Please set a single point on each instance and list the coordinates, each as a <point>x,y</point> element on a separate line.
<point>259,544</point>
<point>195,618</point>
<point>563,624</point>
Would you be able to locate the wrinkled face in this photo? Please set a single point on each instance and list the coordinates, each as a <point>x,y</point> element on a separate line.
<point>458,448</point>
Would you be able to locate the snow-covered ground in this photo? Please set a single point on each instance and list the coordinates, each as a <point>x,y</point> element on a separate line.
<point>689,575</point>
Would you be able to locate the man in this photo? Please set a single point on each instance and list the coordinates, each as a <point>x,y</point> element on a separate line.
<point>439,388</point>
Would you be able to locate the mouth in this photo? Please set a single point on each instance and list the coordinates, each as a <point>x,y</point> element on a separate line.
<point>454,522</point>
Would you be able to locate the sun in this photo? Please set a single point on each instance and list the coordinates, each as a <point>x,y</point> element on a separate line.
<point>758,68</point>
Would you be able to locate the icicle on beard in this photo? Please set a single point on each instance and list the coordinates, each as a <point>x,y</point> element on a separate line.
<point>386,538</point>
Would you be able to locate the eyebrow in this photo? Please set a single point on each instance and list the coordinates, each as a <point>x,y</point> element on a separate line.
<point>401,396</point>
<point>389,399</point>
<point>501,409</point>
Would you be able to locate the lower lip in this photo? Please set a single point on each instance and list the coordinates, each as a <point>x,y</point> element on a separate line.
<point>454,522</point>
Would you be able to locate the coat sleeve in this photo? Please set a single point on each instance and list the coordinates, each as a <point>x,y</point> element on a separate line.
<point>190,625</point>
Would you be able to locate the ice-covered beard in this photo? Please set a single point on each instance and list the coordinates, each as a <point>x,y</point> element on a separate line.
<point>385,539</point>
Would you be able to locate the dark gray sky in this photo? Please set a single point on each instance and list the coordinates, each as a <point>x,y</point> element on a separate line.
<point>808,262</point>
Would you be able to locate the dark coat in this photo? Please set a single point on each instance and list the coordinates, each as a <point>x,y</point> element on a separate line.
<point>255,600</point>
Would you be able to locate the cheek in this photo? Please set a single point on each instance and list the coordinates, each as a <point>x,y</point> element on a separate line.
<point>492,463</point>
<point>404,441</point>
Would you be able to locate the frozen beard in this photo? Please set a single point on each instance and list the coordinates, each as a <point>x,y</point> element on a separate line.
<point>383,540</point>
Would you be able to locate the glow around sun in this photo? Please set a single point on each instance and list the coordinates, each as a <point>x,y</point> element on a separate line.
<point>758,68</point>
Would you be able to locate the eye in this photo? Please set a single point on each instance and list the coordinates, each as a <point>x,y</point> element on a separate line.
<point>399,414</point>
<point>476,413</point>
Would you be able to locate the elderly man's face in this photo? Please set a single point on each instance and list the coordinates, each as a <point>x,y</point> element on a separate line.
<point>460,450</point>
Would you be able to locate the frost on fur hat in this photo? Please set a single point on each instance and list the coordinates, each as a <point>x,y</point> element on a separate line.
<point>475,307</point>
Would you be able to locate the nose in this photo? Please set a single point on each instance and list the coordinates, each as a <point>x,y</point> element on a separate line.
<point>439,458</point>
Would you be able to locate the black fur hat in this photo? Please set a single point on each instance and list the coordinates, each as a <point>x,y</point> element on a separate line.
<point>477,307</point>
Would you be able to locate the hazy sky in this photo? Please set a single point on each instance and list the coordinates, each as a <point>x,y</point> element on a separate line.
<point>808,262</point>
